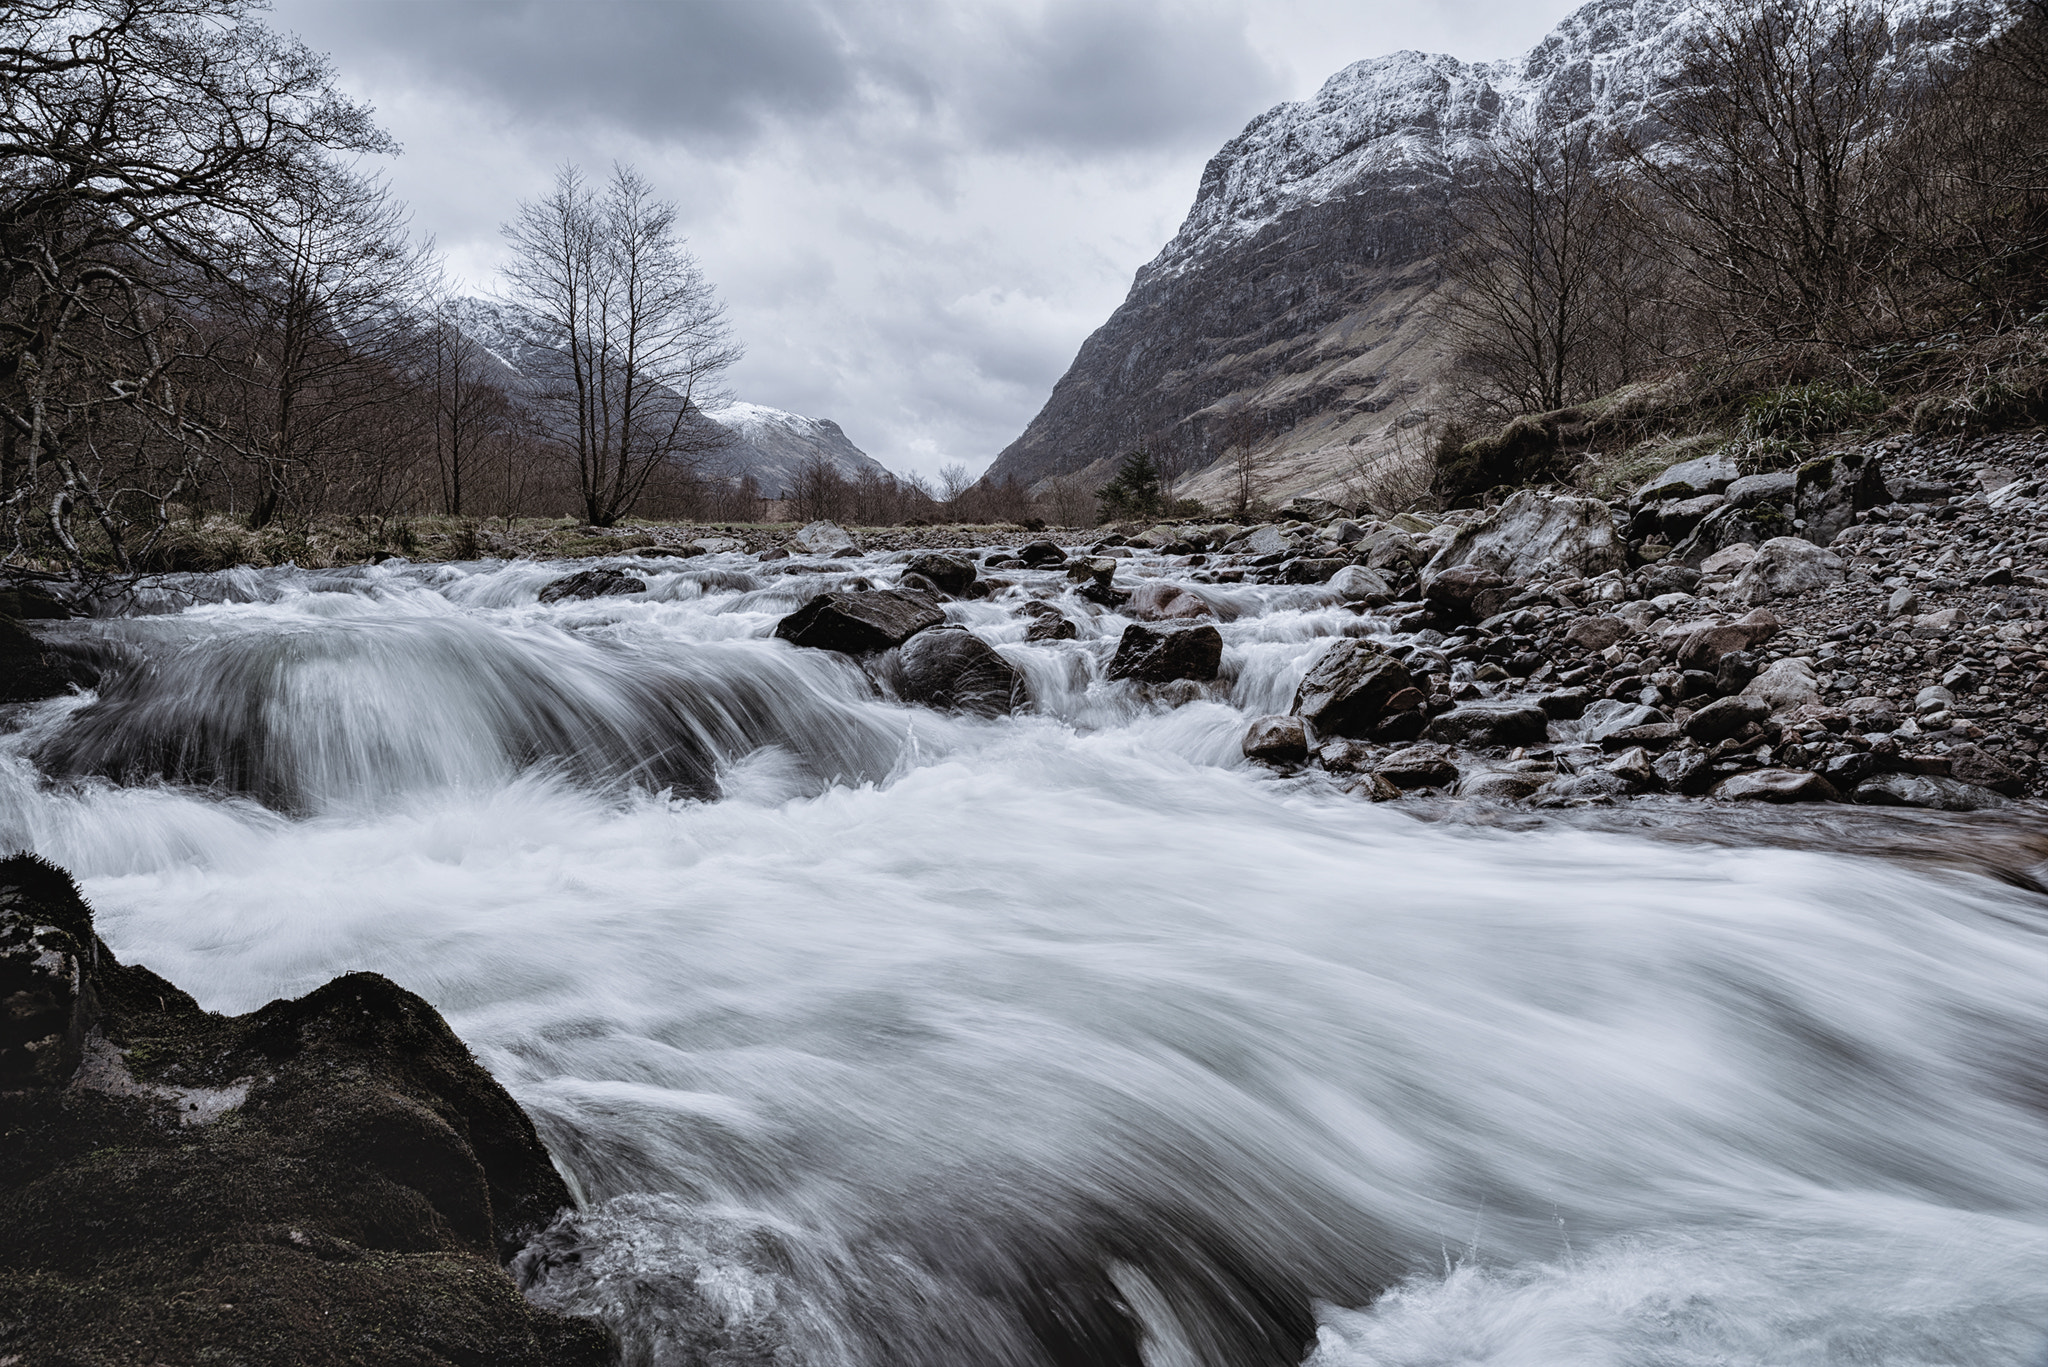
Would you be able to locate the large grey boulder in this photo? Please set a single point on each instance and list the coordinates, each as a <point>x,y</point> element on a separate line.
<point>1784,566</point>
<point>954,670</point>
<point>953,574</point>
<point>859,623</point>
<point>1708,474</point>
<point>1786,686</point>
<point>1775,488</point>
<point>1925,790</point>
<point>822,538</point>
<point>1481,724</point>
<point>1830,492</point>
<point>1276,740</point>
<point>1534,530</point>
<point>1357,584</point>
<point>1346,691</point>
<point>1730,526</point>
<point>1162,656</point>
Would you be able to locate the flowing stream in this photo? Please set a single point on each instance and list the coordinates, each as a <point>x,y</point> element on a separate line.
<point>871,1035</point>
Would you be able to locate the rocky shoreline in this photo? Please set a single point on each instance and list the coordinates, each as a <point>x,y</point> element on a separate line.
<point>331,1180</point>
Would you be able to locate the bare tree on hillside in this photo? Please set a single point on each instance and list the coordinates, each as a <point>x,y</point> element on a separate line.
<point>1241,427</point>
<point>642,330</point>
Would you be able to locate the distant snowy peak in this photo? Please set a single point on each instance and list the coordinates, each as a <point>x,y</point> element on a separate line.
<point>775,446</point>
<point>1409,118</point>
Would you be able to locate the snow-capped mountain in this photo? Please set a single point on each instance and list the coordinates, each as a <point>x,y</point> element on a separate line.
<point>768,443</point>
<point>1299,279</point>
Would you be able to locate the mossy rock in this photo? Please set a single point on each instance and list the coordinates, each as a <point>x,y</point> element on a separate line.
<point>1526,451</point>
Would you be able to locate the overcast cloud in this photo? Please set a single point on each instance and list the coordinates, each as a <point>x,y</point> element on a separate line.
<point>915,212</point>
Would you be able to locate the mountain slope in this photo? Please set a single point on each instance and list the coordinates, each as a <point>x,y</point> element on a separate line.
<point>1298,283</point>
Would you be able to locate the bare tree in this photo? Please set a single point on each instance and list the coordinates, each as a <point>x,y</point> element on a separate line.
<point>642,332</point>
<point>1240,428</point>
<point>1070,500</point>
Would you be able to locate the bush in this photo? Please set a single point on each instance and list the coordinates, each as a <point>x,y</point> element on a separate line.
<point>1523,452</point>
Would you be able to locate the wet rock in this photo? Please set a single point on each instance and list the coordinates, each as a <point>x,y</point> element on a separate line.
<point>1684,771</point>
<point>31,670</point>
<point>823,538</point>
<point>1502,785</point>
<point>1610,716</point>
<point>1565,704</point>
<point>953,574</point>
<point>859,623</point>
<point>1388,549</point>
<point>1723,717</point>
<point>1276,740</point>
<point>1783,566</point>
<point>1595,786</point>
<point>1310,570</point>
<point>1348,689</point>
<point>1925,790</point>
<point>1974,765</point>
<point>1483,724</point>
<point>1830,492</point>
<point>1786,686</point>
<point>598,583</point>
<point>1597,633</point>
<point>1048,623</point>
<point>1635,768</point>
<point>1466,594</point>
<point>1777,785</point>
<point>1533,530</point>
<point>1373,787</point>
<point>953,670</point>
<point>1162,600</point>
<point>1654,735</point>
<point>327,1180</point>
<point>1357,584</point>
<point>1040,555</point>
<point>1160,656</point>
<point>1345,756</point>
<point>1419,766</point>
<point>1735,672</point>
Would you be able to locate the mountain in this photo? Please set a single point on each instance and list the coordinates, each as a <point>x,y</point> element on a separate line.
<point>767,443</point>
<point>1299,282</point>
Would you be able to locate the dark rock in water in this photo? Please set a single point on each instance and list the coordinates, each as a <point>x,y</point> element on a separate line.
<point>31,671</point>
<point>329,1180</point>
<point>598,583</point>
<point>1040,555</point>
<point>1925,790</point>
<point>954,670</point>
<point>1048,622</point>
<point>30,602</point>
<point>1491,723</point>
<point>951,573</point>
<point>1777,785</point>
<point>859,623</point>
<point>1161,656</point>
<point>1276,740</point>
<point>1419,766</point>
<point>1350,688</point>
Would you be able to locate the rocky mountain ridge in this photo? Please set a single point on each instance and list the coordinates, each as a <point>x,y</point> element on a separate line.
<point>1299,283</point>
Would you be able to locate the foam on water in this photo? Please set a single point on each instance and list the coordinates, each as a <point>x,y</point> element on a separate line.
<point>1070,1038</point>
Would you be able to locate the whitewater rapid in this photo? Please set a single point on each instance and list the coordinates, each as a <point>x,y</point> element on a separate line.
<point>869,1035</point>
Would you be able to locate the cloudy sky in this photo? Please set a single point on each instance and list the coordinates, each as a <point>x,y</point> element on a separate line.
<point>915,211</point>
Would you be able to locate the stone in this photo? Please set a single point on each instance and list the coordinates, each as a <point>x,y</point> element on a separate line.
<point>1669,578</point>
<point>1312,570</point>
<point>1723,717</point>
<point>1784,566</point>
<point>1357,584</point>
<point>1150,656</point>
<point>953,670</point>
<point>1348,689</point>
<point>1729,558</point>
<point>1777,785</point>
<point>1708,474</point>
<point>1933,698</point>
<point>1048,623</point>
<point>1500,785</point>
<point>1674,518</point>
<point>1777,487</point>
<point>1276,740</point>
<point>1830,492</point>
<point>598,583</point>
<point>1700,645</point>
<point>1611,715</point>
<point>1728,526</point>
<point>859,623</point>
<point>822,538</point>
<point>1465,594</point>
<point>1041,555</point>
<point>1786,686</point>
<point>1345,756</point>
<point>1634,767</point>
<point>1389,549</point>
<point>1735,672</point>
<point>1925,790</point>
<point>1482,724</point>
<point>1419,766</point>
<point>1597,633</point>
<point>31,670</point>
<point>1533,530</point>
<point>1267,540</point>
<point>1903,603</point>
<point>1973,764</point>
<point>1684,771</point>
<point>1935,625</point>
<point>1162,600</point>
<point>1593,787</point>
<point>1654,735</point>
<point>1306,508</point>
<point>951,573</point>
<point>1564,704</point>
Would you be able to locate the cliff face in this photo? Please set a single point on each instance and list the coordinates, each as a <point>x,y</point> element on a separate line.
<point>1298,282</point>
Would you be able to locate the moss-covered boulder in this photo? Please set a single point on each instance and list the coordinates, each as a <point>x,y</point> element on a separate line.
<point>331,1180</point>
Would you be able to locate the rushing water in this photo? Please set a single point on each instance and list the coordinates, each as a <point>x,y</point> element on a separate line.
<point>869,1035</point>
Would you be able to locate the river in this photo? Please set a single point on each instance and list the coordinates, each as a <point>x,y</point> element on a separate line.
<point>870,1035</point>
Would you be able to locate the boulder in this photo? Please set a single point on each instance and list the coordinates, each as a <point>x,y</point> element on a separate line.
<point>1723,717</point>
<point>1305,508</point>
<point>1726,526</point>
<point>1597,633</point>
<point>950,573</point>
<point>1534,530</point>
<point>1424,765</point>
<point>1390,549</point>
<point>1162,600</point>
<point>1786,686</point>
<point>1776,488</point>
<point>1937,624</point>
<point>333,1179</point>
<point>1665,577</point>
<point>859,623</point>
<point>1268,540</point>
<point>31,670</point>
<point>1830,492</point>
<point>1972,764</point>
<point>1048,623</point>
<point>1729,559</point>
<point>953,670</point>
<point>1357,584</point>
<point>1777,785</point>
<point>1501,785</point>
<point>1925,790</point>
<point>1708,474</point>
<point>1611,716</point>
<point>1347,690</point>
<point>1312,570</point>
<point>1784,566</point>
<point>1481,724</point>
<point>823,538</point>
<point>1466,594</point>
<point>598,583</point>
<point>1162,656</point>
<point>1041,555</point>
<point>1700,645</point>
<point>1276,740</point>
